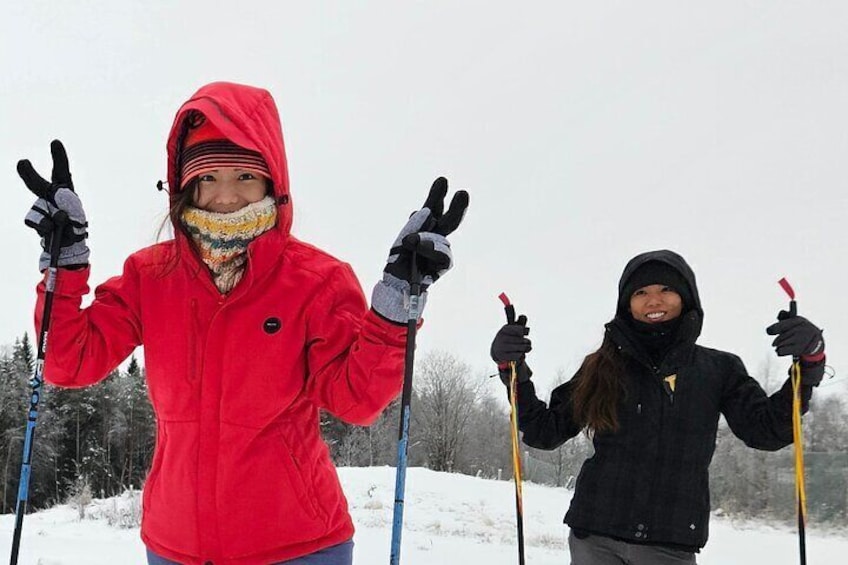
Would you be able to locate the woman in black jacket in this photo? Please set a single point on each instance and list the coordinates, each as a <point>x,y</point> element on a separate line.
<point>651,399</point>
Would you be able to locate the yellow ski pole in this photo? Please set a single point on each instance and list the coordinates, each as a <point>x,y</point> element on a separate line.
<point>797,434</point>
<point>516,448</point>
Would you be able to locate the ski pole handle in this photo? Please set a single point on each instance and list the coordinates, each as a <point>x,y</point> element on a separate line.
<point>414,289</point>
<point>793,306</point>
<point>508,308</point>
<point>60,221</point>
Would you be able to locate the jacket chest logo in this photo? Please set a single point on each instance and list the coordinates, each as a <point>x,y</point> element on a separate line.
<point>272,325</point>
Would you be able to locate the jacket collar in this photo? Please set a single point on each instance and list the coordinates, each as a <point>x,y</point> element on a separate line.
<point>263,255</point>
<point>678,354</point>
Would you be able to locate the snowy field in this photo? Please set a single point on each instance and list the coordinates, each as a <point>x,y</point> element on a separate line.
<point>448,519</point>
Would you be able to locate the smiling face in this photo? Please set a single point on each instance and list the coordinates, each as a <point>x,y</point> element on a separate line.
<point>228,189</point>
<point>655,303</point>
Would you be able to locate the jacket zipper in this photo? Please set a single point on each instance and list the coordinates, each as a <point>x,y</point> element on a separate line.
<point>192,369</point>
<point>668,391</point>
<point>667,387</point>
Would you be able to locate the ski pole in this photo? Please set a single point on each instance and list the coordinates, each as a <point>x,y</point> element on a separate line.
<point>513,428</point>
<point>60,219</point>
<point>406,397</point>
<point>797,434</point>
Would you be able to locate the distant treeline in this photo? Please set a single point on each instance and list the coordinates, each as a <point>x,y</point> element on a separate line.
<point>102,438</point>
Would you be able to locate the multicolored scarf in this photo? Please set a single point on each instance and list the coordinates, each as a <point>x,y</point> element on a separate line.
<point>222,239</point>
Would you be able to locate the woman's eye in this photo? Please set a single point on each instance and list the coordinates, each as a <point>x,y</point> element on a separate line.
<point>246,176</point>
<point>667,289</point>
<point>206,178</point>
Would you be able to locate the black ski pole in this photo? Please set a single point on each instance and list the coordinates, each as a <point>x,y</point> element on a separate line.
<point>797,435</point>
<point>513,429</point>
<point>406,397</point>
<point>60,219</point>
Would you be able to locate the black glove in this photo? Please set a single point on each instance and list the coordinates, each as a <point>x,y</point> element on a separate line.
<point>798,337</point>
<point>512,344</point>
<point>425,234</point>
<point>53,197</point>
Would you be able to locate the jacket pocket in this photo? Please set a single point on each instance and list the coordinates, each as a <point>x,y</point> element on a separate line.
<point>302,480</point>
<point>265,494</point>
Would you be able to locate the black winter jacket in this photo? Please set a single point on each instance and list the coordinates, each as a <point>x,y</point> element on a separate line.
<point>648,482</point>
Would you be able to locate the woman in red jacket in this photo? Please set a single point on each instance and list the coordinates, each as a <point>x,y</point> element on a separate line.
<point>247,333</point>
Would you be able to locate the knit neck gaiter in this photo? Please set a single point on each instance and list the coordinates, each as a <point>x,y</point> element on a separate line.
<point>222,239</point>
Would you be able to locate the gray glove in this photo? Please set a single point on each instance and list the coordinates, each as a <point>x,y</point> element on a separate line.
<point>53,197</point>
<point>425,236</point>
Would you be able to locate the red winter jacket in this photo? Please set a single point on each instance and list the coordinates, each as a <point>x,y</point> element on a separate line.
<point>240,475</point>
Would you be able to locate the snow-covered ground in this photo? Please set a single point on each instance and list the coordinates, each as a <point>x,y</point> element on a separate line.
<point>448,519</point>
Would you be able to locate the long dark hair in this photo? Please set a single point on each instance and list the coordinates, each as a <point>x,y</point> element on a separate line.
<point>179,201</point>
<point>599,385</point>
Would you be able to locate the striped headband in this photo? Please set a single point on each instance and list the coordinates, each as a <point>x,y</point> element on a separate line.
<point>207,149</point>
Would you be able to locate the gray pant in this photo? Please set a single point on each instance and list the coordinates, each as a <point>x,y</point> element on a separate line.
<point>600,550</point>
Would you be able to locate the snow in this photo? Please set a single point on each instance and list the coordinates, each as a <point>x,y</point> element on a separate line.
<point>448,519</point>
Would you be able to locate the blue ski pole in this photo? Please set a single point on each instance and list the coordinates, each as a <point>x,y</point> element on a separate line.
<point>60,219</point>
<point>406,397</point>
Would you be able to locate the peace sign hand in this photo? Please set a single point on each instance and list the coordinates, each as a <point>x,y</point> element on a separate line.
<point>425,236</point>
<point>57,201</point>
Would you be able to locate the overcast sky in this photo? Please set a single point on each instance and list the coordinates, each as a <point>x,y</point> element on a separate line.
<point>585,133</point>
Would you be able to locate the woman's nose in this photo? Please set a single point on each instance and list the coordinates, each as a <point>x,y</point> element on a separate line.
<point>226,194</point>
<point>654,298</point>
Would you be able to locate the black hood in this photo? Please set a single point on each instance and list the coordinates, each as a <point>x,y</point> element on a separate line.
<point>694,316</point>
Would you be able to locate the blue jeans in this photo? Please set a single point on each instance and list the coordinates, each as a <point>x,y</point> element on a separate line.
<point>341,554</point>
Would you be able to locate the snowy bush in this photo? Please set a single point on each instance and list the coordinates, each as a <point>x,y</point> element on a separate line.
<point>80,496</point>
<point>122,511</point>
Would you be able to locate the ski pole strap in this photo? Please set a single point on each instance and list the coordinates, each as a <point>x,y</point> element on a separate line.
<point>513,416</point>
<point>798,439</point>
<point>508,308</point>
<point>516,461</point>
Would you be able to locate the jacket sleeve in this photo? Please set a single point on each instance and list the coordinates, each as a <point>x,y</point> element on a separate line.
<point>85,345</point>
<point>355,358</point>
<point>761,421</point>
<point>546,427</point>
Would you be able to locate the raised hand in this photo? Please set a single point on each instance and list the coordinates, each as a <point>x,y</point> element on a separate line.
<point>425,235</point>
<point>58,210</point>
